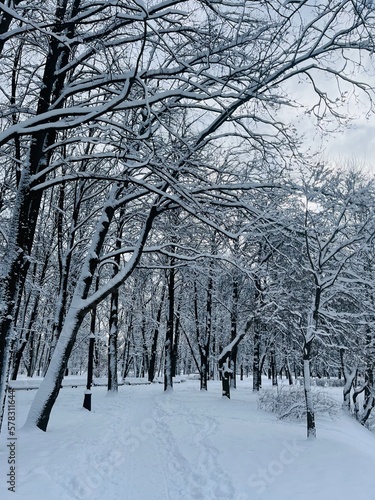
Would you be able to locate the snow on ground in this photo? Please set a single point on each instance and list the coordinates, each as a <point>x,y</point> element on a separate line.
<point>144,444</point>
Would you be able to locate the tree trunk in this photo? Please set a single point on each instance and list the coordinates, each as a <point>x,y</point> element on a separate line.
<point>176,340</point>
<point>311,430</point>
<point>273,364</point>
<point>369,390</point>
<point>112,344</point>
<point>233,329</point>
<point>168,347</point>
<point>204,367</point>
<point>224,360</point>
<point>259,302</point>
<point>256,356</point>
<point>226,373</point>
<point>154,346</point>
<point>113,319</point>
<point>145,356</point>
<point>349,376</point>
<point>48,391</point>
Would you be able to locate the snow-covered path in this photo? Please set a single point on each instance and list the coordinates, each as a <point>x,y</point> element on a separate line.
<point>144,444</point>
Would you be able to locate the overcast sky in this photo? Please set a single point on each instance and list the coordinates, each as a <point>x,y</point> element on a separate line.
<point>355,145</point>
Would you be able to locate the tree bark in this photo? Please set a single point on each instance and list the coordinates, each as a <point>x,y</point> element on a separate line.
<point>113,318</point>
<point>311,430</point>
<point>273,364</point>
<point>224,359</point>
<point>349,376</point>
<point>233,329</point>
<point>168,346</point>
<point>154,346</point>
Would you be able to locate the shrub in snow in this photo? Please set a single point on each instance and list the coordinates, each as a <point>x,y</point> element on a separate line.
<point>288,402</point>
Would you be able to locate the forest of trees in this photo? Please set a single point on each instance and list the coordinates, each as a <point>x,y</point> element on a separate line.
<point>156,194</point>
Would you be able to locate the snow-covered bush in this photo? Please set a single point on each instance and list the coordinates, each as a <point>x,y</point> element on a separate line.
<point>288,402</point>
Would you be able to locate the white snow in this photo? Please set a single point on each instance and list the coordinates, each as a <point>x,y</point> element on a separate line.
<point>144,444</point>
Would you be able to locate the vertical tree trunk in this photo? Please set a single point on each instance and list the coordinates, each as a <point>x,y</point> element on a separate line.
<point>203,334</point>
<point>176,340</point>
<point>113,319</point>
<point>112,344</point>
<point>311,430</point>
<point>154,346</point>
<point>233,329</point>
<point>213,355</point>
<point>288,372</point>
<point>168,346</point>
<point>256,356</point>
<point>226,373</point>
<point>258,301</point>
<point>224,360</point>
<point>273,364</point>
<point>145,357</point>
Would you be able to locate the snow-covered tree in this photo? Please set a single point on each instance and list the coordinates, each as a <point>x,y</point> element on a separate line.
<point>112,82</point>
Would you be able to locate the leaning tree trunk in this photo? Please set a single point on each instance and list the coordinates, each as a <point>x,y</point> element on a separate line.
<point>81,304</point>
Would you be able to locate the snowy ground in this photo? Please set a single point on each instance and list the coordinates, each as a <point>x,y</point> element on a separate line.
<point>148,445</point>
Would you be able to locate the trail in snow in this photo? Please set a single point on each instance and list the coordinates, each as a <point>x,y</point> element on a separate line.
<point>193,471</point>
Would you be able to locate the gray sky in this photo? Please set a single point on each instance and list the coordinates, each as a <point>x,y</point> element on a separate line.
<point>355,145</point>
